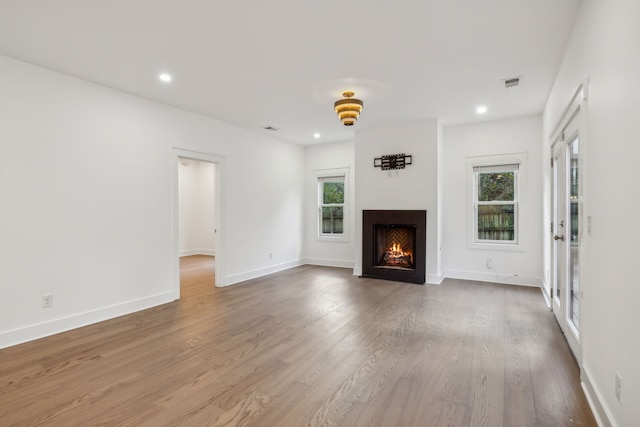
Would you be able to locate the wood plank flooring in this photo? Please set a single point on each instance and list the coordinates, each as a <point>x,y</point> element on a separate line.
<point>310,346</point>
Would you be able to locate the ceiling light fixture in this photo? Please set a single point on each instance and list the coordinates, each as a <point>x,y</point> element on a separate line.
<point>348,109</point>
<point>165,77</point>
<point>316,135</point>
<point>481,109</point>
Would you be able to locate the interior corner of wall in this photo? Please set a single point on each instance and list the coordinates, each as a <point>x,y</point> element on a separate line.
<point>598,406</point>
<point>435,279</point>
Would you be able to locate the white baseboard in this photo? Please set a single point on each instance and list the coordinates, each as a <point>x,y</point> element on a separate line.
<point>357,271</point>
<point>254,274</point>
<point>434,279</point>
<point>63,324</point>
<point>594,397</point>
<point>493,278</point>
<point>545,294</point>
<point>545,287</point>
<point>544,284</point>
<point>328,262</point>
<point>191,252</point>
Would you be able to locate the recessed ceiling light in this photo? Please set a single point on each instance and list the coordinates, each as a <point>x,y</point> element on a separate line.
<point>165,77</point>
<point>316,135</point>
<point>481,109</point>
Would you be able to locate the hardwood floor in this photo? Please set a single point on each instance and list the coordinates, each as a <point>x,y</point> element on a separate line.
<point>310,346</point>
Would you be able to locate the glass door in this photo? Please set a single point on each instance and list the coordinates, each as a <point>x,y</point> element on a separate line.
<point>566,243</point>
<point>558,229</point>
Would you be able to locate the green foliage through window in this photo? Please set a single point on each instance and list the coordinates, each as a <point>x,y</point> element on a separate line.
<point>332,193</point>
<point>496,202</point>
<point>495,186</point>
<point>332,207</point>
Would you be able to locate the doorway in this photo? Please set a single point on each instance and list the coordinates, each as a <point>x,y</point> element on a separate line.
<point>197,225</point>
<point>196,214</point>
<point>566,180</point>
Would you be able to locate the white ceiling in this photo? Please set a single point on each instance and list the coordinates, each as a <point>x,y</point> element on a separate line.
<point>283,63</point>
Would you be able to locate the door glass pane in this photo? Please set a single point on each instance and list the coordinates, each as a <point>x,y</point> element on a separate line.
<point>574,218</point>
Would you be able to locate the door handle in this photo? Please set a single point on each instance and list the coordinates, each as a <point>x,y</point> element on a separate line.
<point>561,238</point>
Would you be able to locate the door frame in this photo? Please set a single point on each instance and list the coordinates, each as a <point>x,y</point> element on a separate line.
<point>219,220</point>
<point>571,124</point>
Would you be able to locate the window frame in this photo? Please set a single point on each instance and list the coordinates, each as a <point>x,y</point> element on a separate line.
<point>322,176</point>
<point>485,164</point>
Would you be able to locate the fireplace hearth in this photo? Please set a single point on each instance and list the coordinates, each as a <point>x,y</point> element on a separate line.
<point>394,245</point>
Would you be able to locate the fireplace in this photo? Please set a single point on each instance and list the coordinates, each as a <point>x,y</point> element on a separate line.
<point>394,245</point>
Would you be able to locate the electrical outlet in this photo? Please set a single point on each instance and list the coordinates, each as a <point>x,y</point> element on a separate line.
<point>489,263</point>
<point>270,255</point>
<point>47,300</point>
<point>618,387</point>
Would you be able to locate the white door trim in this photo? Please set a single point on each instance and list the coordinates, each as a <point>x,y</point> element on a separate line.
<point>219,161</point>
<point>571,123</point>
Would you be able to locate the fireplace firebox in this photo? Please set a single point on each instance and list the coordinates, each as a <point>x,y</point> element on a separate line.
<point>394,245</point>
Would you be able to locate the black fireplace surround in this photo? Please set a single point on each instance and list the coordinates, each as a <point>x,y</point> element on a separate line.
<point>394,245</point>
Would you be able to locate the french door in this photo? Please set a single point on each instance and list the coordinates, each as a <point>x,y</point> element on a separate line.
<point>566,228</point>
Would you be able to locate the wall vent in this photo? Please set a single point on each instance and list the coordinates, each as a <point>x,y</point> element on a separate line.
<point>512,82</point>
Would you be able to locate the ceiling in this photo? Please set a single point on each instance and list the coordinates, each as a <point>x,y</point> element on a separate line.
<point>283,63</point>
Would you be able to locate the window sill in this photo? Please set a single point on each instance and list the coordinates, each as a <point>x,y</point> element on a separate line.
<point>333,239</point>
<point>513,247</point>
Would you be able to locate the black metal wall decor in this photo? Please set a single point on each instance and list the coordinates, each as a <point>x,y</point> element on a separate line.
<point>392,161</point>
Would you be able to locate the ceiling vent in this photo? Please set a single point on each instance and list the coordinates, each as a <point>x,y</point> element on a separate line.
<point>271,128</point>
<point>512,82</point>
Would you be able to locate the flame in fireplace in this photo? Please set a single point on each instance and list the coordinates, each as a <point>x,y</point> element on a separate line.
<point>396,249</point>
<point>396,255</point>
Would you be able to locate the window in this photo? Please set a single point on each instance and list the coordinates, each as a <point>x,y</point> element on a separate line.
<point>331,205</point>
<point>495,199</point>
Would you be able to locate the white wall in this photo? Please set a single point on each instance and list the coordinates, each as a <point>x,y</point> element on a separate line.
<point>412,188</point>
<point>197,207</point>
<point>87,201</point>
<point>206,208</point>
<point>521,266</point>
<point>604,47</point>
<point>321,158</point>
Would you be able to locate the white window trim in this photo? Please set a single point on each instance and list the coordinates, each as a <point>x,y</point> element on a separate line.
<point>487,161</point>
<point>333,173</point>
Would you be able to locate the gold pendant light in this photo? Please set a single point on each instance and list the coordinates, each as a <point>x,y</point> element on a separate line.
<point>348,109</point>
